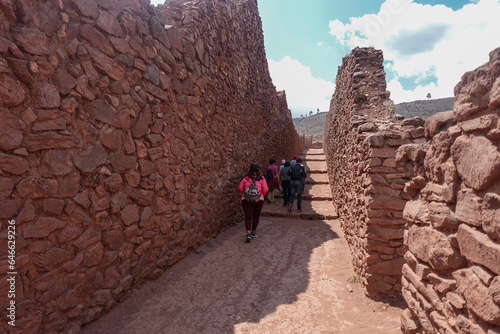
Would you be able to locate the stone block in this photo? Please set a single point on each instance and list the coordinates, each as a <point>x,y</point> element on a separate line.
<point>55,163</point>
<point>477,297</point>
<point>478,248</point>
<point>491,215</point>
<point>42,227</point>
<point>9,208</point>
<point>412,152</point>
<point>455,300</point>
<point>483,124</point>
<point>13,164</point>
<point>477,160</point>
<point>90,158</point>
<point>416,212</point>
<point>392,267</point>
<point>440,283</point>
<point>437,121</point>
<point>433,247</point>
<point>385,202</point>
<point>11,127</point>
<point>31,40</point>
<point>33,187</point>
<point>468,208</point>
<point>49,139</point>
<point>494,290</point>
<point>106,64</point>
<point>409,325</point>
<point>382,153</point>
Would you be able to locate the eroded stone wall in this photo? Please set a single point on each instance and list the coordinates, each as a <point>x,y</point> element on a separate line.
<point>361,139</point>
<point>124,130</point>
<point>451,280</point>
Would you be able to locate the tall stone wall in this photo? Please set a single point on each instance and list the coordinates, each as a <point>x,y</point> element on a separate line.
<point>451,280</point>
<point>124,130</point>
<point>360,144</point>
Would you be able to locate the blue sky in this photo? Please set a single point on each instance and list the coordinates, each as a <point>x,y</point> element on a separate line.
<point>427,45</point>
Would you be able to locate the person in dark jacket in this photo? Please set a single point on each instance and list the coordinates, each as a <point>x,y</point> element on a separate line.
<point>297,172</point>
<point>285,182</point>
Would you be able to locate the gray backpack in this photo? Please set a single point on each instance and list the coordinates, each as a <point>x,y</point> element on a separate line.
<point>252,193</point>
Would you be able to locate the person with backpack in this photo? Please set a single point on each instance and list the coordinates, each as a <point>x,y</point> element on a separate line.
<point>253,188</point>
<point>299,161</point>
<point>285,182</point>
<point>296,173</point>
<point>272,180</point>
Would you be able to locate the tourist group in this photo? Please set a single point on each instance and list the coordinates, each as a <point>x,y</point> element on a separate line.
<point>255,189</point>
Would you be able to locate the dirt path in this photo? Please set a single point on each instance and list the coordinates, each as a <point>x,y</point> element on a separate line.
<point>292,278</point>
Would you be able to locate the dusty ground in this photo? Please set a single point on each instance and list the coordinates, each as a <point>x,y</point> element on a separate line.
<point>293,278</point>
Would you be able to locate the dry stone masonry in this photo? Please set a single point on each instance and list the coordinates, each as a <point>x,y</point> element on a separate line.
<point>124,132</point>
<point>451,279</point>
<point>361,139</point>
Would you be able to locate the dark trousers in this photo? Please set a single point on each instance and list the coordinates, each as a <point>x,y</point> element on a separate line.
<point>252,213</point>
<point>285,184</point>
<point>296,188</point>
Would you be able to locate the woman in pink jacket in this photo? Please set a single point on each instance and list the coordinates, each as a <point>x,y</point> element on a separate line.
<point>253,187</point>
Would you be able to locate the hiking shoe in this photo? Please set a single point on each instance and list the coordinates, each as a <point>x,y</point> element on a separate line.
<point>248,238</point>
<point>254,235</point>
<point>299,211</point>
<point>289,207</point>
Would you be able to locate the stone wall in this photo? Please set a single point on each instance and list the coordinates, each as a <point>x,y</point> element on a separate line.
<point>124,132</point>
<point>451,279</point>
<point>361,139</point>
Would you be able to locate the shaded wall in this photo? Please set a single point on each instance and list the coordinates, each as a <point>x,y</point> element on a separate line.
<point>451,279</point>
<point>124,132</point>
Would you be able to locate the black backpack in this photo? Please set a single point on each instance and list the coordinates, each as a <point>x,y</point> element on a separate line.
<point>295,172</point>
<point>270,174</point>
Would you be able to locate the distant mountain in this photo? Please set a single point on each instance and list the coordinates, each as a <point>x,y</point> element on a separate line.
<point>311,125</point>
<point>424,108</point>
<point>315,124</point>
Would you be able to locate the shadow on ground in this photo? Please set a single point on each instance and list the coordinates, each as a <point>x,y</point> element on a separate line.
<point>224,283</point>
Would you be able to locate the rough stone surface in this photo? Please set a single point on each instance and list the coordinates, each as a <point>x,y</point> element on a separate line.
<point>477,160</point>
<point>361,145</point>
<point>478,248</point>
<point>451,282</point>
<point>124,131</point>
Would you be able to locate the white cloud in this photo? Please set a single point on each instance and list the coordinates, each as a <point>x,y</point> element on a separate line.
<point>418,39</point>
<point>304,92</point>
<point>319,43</point>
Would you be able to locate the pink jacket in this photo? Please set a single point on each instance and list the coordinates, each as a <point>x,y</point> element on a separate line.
<point>261,185</point>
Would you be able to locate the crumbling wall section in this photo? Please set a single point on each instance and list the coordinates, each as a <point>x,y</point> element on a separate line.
<point>451,279</point>
<point>124,130</point>
<point>361,139</point>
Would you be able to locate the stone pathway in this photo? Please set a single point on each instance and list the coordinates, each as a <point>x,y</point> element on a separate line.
<point>295,277</point>
<point>317,201</point>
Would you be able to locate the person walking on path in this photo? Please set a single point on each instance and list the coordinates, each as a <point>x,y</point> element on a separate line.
<point>272,180</point>
<point>299,161</point>
<point>294,161</point>
<point>296,172</point>
<point>282,164</point>
<point>253,188</point>
<point>285,182</point>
